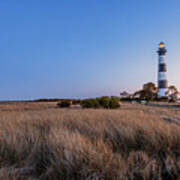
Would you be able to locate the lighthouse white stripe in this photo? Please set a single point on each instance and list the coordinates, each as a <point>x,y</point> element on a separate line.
<point>162,59</point>
<point>162,76</point>
<point>162,92</point>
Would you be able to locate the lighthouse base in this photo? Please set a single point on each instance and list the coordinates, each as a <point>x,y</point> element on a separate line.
<point>162,92</point>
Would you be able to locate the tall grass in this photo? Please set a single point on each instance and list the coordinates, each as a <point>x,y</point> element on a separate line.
<point>88,144</point>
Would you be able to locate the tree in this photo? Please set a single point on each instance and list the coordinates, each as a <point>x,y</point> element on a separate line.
<point>148,92</point>
<point>150,87</point>
<point>172,93</point>
<point>125,94</point>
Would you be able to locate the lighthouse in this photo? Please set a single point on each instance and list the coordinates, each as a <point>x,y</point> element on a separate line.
<point>162,71</point>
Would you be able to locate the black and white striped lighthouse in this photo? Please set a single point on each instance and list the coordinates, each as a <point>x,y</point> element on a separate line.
<point>162,71</point>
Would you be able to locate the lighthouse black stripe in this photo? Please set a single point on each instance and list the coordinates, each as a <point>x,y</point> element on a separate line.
<point>162,84</point>
<point>162,51</point>
<point>162,68</point>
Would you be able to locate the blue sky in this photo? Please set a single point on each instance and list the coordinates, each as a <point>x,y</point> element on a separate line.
<point>84,48</point>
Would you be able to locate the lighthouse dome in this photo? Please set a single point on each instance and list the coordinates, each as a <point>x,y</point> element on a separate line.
<point>162,49</point>
<point>161,45</point>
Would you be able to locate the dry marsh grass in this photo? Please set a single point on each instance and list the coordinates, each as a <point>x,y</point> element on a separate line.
<point>134,142</point>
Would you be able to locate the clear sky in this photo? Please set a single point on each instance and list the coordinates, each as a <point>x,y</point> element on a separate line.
<point>85,48</point>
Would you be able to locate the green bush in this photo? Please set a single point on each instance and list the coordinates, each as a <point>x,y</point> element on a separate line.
<point>114,103</point>
<point>64,104</point>
<point>162,99</point>
<point>104,101</point>
<point>90,103</point>
<point>115,97</point>
<point>76,101</point>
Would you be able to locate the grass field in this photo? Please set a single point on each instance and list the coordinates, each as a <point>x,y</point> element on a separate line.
<point>40,141</point>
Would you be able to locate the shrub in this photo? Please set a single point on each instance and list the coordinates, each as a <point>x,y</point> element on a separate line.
<point>76,101</point>
<point>104,101</point>
<point>172,99</point>
<point>162,99</point>
<point>115,97</point>
<point>90,103</point>
<point>64,104</point>
<point>128,99</point>
<point>114,103</point>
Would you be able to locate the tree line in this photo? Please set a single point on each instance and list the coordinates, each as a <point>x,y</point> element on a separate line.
<point>149,92</point>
